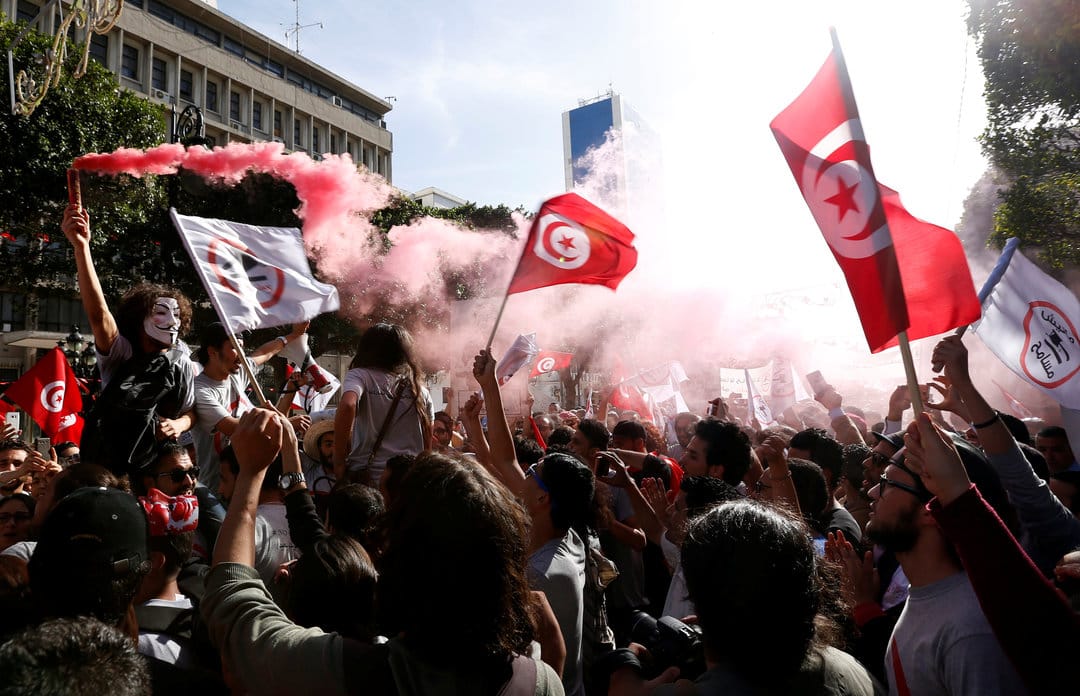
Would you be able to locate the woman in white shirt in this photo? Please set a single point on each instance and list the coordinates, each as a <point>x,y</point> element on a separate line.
<point>381,393</point>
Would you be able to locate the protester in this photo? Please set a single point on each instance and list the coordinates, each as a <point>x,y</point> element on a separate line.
<point>147,380</point>
<point>16,513</point>
<point>385,409</point>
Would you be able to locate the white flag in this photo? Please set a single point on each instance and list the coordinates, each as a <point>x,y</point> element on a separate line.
<point>1029,321</point>
<point>256,277</point>
<point>520,353</point>
<point>756,404</point>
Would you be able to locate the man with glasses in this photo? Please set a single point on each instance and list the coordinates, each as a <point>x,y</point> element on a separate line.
<point>942,642</point>
<point>172,472</point>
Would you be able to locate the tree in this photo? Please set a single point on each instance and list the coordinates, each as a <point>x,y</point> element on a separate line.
<point>77,116</point>
<point>1030,53</point>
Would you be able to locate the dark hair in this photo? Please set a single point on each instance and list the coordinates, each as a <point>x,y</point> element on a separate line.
<point>1016,426</point>
<point>1053,431</point>
<point>595,432</point>
<point>751,572</point>
<point>213,335</point>
<point>560,436</point>
<point>654,467</point>
<point>812,492</point>
<point>451,515</point>
<point>854,455</point>
<point>6,445</point>
<point>84,475</point>
<point>528,451</point>
<point>332,586</point>
<point>444,417</point>
<point>705,492</point>
<point>176,548</point>
<point>137,303</point>
<point>25,498</point>
<point>66,444</point>
<point>78,656</point>
<point>16,606</point>
<point>570,485</point>
<point>168,448</point>
<point>353,509</point>
<point>824,451</point>
<point>389,347</point>
<point>630,429</point>
<point>396,468</point>
<point>726,445</point>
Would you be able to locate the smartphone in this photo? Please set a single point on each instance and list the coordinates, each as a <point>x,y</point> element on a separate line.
<point>43,445</point>
<point>446,395</point>
<point>817,382</point>
<point>13,418</point>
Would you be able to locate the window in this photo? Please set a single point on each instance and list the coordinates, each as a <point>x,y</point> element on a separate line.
<point>168,14</point>
<point>277,123</point>
<point>26,11</point>
<point>234,106</point>
<point>129,62</point>
<point>315,139</point>
<point>187,88</point>
<point>333,143</point>
<point>298,141</point>
<point>233,46</point>
<point>99,48</point>
<point>211,96</point>
<point>12,311</point>
<point>59,313</point>
<point>256,116</point>
<point>158,74</point>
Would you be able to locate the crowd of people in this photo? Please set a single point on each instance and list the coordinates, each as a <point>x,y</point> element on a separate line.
<point>199,541</point>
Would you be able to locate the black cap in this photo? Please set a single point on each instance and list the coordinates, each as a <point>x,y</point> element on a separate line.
<point>94,530</point>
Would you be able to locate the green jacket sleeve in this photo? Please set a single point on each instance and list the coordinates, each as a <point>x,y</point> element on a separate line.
<point>259,645</point>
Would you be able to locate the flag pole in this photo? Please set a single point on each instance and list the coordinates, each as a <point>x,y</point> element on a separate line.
<point>909,368</point>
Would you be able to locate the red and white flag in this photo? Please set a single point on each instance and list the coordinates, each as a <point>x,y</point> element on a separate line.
<point>550,361</point>
<point>573,241</point>
<point>518,355</point>
<point>49,392</point>
<point>822,139</point>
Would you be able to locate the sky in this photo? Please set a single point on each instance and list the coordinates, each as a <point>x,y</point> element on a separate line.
<point>480,86</point>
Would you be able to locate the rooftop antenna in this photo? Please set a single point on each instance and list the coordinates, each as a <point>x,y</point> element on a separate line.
<point>294,30</point>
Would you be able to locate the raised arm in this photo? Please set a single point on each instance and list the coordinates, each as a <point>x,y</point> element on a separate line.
<point>272,347</point>
<point>503,456</point>
<point>76,228</point>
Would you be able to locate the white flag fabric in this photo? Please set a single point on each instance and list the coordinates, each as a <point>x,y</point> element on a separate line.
<point>520,353</point>
<point>1029,321</point>
<point>257,277</point>
<point>756,403</point>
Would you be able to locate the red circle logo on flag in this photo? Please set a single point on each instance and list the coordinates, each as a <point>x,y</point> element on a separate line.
<point>1051,353</point>
<point>545,364</point>
<point>842,194</point>
<point>52,396</point>
<point>232,268</point>
<point>562,242</point>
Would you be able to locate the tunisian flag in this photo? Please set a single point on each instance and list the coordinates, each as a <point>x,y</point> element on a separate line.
<point>822,139</point>
<point>573,241</point>
<point>49,392</point>
<point>550,361</point>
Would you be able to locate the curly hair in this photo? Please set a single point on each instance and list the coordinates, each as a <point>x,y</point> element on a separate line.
<point>452,518</point>
<point>137,304</point>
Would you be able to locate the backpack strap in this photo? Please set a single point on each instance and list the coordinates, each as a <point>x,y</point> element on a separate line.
<point>386,421</point>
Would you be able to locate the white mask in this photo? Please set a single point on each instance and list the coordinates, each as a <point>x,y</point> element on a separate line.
<point>163,324</point>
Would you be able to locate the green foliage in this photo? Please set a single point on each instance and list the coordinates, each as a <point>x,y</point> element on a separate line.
<point>77,116</point>
<point>1030,53</point>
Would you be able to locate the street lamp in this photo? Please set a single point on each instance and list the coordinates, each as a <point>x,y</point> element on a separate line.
<point>79,354</point>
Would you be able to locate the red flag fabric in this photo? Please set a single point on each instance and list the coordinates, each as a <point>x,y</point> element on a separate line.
<point>938,289</point>
<point>550,361</point>
<point>49,392</point>
<point>822,139</point>
<point>573,241</point>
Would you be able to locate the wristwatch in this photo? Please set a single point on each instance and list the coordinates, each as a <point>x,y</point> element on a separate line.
<point>290,479</point>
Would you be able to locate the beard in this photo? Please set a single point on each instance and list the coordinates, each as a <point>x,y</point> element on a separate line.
<point>898,537</point>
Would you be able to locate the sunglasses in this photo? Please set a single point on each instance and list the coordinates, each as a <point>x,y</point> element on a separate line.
<point>178,475</point>
<point>884,483</point>
<point>533,473</point>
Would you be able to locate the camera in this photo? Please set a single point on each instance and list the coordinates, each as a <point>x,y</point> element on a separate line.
<point>670,643</point>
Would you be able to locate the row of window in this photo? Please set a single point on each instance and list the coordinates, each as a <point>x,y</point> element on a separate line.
<point>54,313</point>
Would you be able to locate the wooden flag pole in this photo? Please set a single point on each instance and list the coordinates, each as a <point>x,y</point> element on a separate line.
<point>909,368</point>
<point>247,368</point>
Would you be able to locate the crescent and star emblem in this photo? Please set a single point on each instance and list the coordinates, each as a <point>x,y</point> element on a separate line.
<point>562,242</point>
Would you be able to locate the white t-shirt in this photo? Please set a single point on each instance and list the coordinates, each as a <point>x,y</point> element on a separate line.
<point>20,549</point>
<point>215,400</point>
<point>677,604</point>
<point>273,543</point>
<point>161,645</point>
<point>404,435</point>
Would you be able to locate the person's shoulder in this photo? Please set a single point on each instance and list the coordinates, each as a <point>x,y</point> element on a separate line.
<point>843,674</point>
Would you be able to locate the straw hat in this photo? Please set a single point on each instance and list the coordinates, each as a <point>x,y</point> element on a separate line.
<point>311,437</point>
